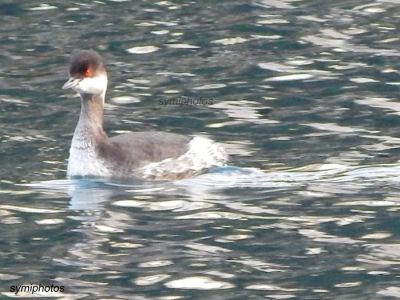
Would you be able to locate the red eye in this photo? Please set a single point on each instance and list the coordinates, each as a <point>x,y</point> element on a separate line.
<point>87,73</point>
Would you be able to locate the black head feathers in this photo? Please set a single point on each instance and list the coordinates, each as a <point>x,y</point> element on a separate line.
<point>86,63</point>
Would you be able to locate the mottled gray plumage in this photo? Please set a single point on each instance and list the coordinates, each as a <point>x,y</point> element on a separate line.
<point>136,149</point>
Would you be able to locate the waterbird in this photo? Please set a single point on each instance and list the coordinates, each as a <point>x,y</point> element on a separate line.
<point>152,155</point>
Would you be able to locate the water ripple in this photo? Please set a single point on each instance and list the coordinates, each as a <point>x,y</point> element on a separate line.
<point>198,283</point>
<point>303,97</point>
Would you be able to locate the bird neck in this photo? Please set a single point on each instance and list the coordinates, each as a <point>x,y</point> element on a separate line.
<point>91,116</point>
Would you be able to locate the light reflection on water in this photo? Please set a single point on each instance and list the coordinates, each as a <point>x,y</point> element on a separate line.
<point>304,97</point>
<point>194,234</point>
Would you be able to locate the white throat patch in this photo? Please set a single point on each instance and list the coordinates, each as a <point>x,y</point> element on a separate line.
<point>92,85</point>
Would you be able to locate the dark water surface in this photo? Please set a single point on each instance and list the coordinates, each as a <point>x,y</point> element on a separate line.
<point>303,94</point>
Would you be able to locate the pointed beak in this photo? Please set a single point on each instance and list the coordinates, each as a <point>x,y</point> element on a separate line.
<point>71,83</point>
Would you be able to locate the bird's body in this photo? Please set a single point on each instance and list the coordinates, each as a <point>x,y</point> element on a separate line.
<point>146,155</point>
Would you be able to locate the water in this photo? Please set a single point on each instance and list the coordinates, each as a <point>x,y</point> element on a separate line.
<point>303,94</point>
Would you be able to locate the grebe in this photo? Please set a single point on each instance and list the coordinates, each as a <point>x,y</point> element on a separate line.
<point>146,155</point>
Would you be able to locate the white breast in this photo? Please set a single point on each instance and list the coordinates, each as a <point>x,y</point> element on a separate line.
<point>83,160</point>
